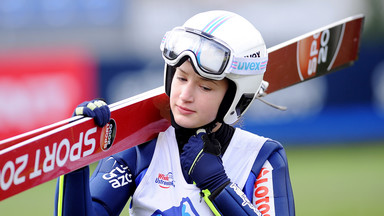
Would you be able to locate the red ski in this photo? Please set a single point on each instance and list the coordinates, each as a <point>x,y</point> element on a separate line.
<point>41,155</point>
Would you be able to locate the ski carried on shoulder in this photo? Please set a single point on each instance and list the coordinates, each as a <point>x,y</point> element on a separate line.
<point>35,157</point>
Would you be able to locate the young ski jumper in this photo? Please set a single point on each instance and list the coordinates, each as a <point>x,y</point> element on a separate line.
<point>201,165</point>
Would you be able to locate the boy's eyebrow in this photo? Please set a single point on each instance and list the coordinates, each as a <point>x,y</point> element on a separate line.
<point>181,69</point>
<point>209,80</point>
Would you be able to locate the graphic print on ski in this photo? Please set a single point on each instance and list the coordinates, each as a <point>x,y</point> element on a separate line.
<point>45,155</point>
<point>314,54</point>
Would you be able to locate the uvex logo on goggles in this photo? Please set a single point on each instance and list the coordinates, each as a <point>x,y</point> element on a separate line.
<point>211,57</point>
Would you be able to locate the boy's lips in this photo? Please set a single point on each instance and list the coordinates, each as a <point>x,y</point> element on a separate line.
<point>184,110</point>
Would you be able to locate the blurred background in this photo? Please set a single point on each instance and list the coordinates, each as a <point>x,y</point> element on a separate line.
<point>55,54</point>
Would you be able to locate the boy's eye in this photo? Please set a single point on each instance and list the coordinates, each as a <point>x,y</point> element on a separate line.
<point>181,78</point>
<point>206,88</point>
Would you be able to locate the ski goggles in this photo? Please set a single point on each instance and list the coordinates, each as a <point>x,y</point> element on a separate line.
<point>211,57</point>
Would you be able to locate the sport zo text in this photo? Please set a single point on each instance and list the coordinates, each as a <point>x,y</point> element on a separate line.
<point>46,158</point>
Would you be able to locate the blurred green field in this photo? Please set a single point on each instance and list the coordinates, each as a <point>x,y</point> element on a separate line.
<point>327,180</point>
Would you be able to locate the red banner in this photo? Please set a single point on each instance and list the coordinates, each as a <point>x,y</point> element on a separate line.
<point>39,87</point>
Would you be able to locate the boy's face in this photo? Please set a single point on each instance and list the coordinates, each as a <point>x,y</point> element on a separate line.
<point>195,100</point>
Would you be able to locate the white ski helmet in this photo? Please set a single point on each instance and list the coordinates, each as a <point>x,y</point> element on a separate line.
<point>220,44</point>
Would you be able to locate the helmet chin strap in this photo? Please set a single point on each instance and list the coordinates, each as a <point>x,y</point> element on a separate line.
<point>209,127</point>
<point>184,134</point>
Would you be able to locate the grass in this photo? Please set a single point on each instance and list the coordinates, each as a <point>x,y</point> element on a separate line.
<point>326,180</point>
<point>341,180</point>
